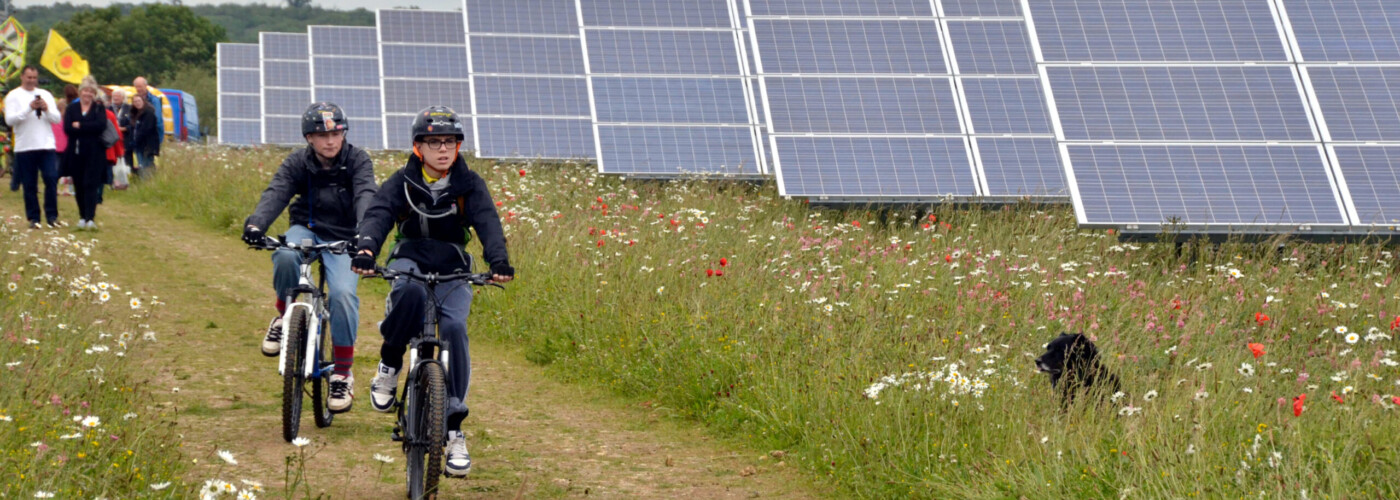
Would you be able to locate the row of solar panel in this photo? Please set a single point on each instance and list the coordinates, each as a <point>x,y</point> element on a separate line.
<point>880,99</point>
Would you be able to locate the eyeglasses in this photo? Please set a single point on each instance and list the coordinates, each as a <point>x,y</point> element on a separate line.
<point>434,144</point>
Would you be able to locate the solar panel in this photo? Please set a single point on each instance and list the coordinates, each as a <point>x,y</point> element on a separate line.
<point>530,96</point>
<point>1345,30</point>
<point>1157,31</point>
<point>1180,103</point>
<point>982,8</point>
<point>835,46</point>
<point>1203,185</point>
<point>422,62</point>
<point>1357,103</point>
<point>1021,166</point>
<point>239,90</point>
<point>345,71</point>
<point>874,167</point>
<point>843,8</point>
<point>865,105</point>
<point>1371,181</point>
<point>669,87</point>
<point>1004,106</point>
<point>286,86</point>
<point>992,47</point>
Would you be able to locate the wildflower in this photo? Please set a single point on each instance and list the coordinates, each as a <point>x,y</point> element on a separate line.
<point>1298,404</point>
<point>1202,394</point>
<point>6,418</point>
<point>1336,397</point>
<point>227,456</point>
<point>1117,396</point>
<point>710,272</point>
<point>1393,324</point>
<point>1204,366</point>
<point>252,485</point>
<point>1351,338</point>
<point>160,486</point>
<point>135,303</point>
<point>1235,273</point>
<point>1246,369</point>
<point>1129,411</point>
<point>1190,449</point>
<point>12,286</point>
<point>128,416</point>
<point>91,421</point>
<point>723,262</point>
<point>1341,330</point>
<point>247,495</point>
<point>384,458</point>
<point>43,494</point>
<point>1151,395</point>
<point>660,289</point>
<point>522,172</point>
<point>1395,399</point>
<point>104,296</point>
<point>1257,349</point>
<point>1261,318</point>
<point>300,442</point>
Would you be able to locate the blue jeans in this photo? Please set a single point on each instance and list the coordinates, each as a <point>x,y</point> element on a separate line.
<point>340,283</point>
<point>29,167</point>
<point>403,320</point>
<point>145,165</point>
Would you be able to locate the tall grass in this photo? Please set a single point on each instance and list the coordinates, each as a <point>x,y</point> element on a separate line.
<point>74,420</point>
<point>892,351</point>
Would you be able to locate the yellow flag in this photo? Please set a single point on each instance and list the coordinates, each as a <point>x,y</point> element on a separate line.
<point>61,60</point>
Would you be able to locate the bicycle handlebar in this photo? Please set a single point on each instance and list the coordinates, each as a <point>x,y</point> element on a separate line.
<point>274,243</point>
<point>477,279</point>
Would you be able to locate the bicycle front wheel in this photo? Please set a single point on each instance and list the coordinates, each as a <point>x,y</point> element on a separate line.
<point>292,378</point>
<point>427,418</point>
<point>320,390</point>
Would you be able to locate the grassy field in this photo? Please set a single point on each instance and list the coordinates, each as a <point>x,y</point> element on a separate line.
<point>74,420</point>
<point>892,351</point>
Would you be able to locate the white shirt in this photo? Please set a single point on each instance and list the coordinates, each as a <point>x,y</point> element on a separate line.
<point>31,133</point>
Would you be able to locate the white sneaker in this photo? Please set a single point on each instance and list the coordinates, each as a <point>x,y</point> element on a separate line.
<point>459,462</point>
<point>381,389</point>
<point>342,393</point>
<point>272,343</point>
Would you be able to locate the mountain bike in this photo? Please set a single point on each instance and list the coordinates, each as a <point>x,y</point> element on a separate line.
<point>306,342</point>
<point>422,409</point>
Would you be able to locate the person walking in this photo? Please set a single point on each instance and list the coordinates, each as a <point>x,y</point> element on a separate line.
<point>86,158</point>
<point>31,113</point>
<point>121,106</point>
<point>143,90</point>
<point>145,137</point>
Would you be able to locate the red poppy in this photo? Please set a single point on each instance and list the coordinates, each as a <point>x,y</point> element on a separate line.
<point>1395,324</point>
<point>631,242</point>
<point>1261,318</point>
<point>709,272</point>
<point>1395,399</point>
<point>719,272</point>
<point>1336,397</point>
<point>855,223</point>
<point>500,203</point>
<point>932,218</point>
<point>1298,405</point>
<point>675,222</point>
<point>723,262</point>
<point>948,258</point>
<point>600,199</point>
<point>1257,349</point>
<point>1176,304</point>
<point>522,172</point>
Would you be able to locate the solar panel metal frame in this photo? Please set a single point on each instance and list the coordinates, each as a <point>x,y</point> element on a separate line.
<point>388,116</point>
<point>737,28</point>
<point>478,116</point>
<point>373,141</point>
<point>220,66</point>
<point>1353,212</point>
<point>269,116</point>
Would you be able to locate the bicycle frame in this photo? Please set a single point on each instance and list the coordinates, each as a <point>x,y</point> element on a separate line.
<point>426,338</point>
<point>315,309</point>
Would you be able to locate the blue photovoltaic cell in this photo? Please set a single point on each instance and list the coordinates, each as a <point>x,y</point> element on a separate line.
<point>669,100</point>
<point>838,8</point>
<point>1346,30</point>
<point>532,17</point>
<point>531,96</point>
<point>677,150</point>
<point>287,74</point>
<point>1239,103</point>
<point>283,130</point>
<point>240,81</point>
<point>1373,178</point>
<point>286,102</point>
<point>399,130</point>
<point>366,132</point>
<point>352,72</point>
<point>656,13</point>
<point>240,106</point>
<point>357,103</point>
<point>532,56</point>
<point>847,46</point>
<point>863,105</point>
<point>407,96</point>
<point>239,55</point>
<point>1019,166</point>
<point>289,46</point>
<point>1359,103</point>
<point>426,27</point>
<point>535,138</point>
<point>875,166</point>
<point>1157,30</point>
<point>343,41</point>
<point>1006,106</point>
<point>1204,184</point>
<point>982,8</point>
<point>240,132</point>
<point>992,47</point>
<point>425,62</point>
<point>663,52</point>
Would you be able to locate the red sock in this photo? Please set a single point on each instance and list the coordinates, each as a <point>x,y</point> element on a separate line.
<point>281,306</point>
<point>344,357</point>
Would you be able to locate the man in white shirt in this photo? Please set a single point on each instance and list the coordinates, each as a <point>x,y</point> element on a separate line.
<point>31,113</point>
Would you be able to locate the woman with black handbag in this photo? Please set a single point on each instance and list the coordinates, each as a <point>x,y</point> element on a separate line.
<point>85,160</point>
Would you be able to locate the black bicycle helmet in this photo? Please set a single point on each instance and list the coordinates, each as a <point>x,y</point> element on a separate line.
<point>323,117</point>
<point>437,120</point>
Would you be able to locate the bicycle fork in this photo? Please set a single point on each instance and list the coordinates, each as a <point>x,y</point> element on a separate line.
<point>313,330</point>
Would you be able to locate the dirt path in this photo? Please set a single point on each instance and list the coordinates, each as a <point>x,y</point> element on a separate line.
<point>530,436</point>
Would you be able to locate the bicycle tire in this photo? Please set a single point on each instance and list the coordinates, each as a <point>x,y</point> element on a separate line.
<point>428,418</point>
<point>320,386</point>
<point>292,379</point>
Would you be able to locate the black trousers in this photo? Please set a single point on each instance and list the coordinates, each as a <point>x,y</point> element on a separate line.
<point>87,190</point>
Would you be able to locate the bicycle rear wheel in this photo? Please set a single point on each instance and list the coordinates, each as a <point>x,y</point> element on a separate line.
<point>292,378</point>
<point>320,386</point>
<point>427,418</point>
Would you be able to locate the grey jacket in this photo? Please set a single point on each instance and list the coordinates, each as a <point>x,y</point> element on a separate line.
<point>330,202</point>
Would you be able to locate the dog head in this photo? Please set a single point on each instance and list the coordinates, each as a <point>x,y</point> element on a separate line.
<point>1068,351</point>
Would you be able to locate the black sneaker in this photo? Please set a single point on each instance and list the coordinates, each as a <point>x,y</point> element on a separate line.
<point>272,343</point>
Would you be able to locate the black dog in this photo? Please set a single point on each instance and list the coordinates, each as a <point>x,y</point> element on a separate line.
<point>1073,364</point>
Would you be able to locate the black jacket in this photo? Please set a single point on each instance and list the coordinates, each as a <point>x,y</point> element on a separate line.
<point>330,202</point>
<point>432,233</point>
<point>85,156</point>
<point>145,133</point>
<point>123,113</point>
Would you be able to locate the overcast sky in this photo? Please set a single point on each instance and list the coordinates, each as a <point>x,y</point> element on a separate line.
<point>336,4</point>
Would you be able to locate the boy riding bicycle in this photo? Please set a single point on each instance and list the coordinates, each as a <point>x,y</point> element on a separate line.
<point>334,183</point>
<point>433,199</point>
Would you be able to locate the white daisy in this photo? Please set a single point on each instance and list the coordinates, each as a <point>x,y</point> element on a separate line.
<point>91,421</point>
<point>1129,411</point>
<point>227,456</point>
<point>300,442</point>
<point>1341,330</point>
<point>389,460</point>
<point>1352,338</point>
<point>160,486</point>
<point>1246,369</point>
